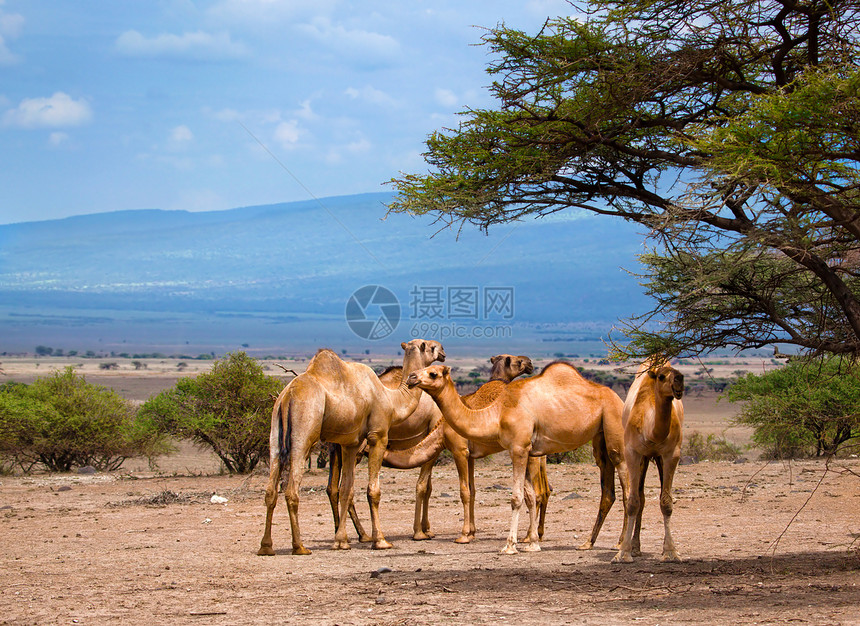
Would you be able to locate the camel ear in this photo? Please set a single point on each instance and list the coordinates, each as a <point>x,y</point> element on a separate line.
<point>446,370</point>
<point>508,361</point>
<point>493,359</point>
<point>423,347</point>
<point>652,374</point>
<point>403,345</point>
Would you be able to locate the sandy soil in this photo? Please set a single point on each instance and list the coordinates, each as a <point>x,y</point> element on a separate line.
<point>763,544</point>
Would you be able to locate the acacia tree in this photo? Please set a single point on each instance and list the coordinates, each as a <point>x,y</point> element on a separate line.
<point>729,129</point>
<point>228,409</point>
<point>803,408</point>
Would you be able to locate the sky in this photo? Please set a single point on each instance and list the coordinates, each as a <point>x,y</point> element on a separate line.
<point>210,105</point>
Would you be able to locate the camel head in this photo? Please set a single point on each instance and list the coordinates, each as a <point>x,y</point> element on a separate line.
<point>430,379</point>
<point>507,367</point>
<point>669,381</point>
<point>427,349</point>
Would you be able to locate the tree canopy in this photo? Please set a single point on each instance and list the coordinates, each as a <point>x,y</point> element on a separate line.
<point>228,409</point>
<point>729,129</point>
<point>62,421</point>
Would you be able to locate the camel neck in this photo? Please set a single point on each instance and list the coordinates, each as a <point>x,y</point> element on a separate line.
<point>662,417</point>
<point>411,363</point>
<point>477,424</point>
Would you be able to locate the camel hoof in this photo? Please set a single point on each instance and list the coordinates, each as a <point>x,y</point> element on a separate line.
<point>421,536</point>
<point>341,545</point>
<point>586,546</point>
<point>365,539</point>
<point>382,544</point>
<point>265,551</point>
<point>509,550</point>
<point>622,557</point>
<point>463,539</point>
<point>532,546</point>
<point>671,557</point>
<point>301,551</point>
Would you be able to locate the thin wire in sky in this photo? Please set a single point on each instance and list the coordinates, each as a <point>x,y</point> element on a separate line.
<point>312,195</point>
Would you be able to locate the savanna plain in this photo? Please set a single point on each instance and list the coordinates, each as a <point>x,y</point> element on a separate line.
<point>762,542</point>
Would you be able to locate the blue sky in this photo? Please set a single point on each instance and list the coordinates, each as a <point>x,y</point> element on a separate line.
<point>143,104</point>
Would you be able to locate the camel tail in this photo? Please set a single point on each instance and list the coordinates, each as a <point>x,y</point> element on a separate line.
<point>285,433</point>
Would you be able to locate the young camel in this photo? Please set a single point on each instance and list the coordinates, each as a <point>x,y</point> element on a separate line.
<point>653,418</point>
<point>343,403</point>
<point>418,440</point>
<point>556,411</point>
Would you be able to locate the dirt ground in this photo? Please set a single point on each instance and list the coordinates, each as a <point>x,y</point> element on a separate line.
<point>762,544</point>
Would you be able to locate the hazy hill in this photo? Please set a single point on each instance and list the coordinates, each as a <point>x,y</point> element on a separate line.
<point>304,259</point>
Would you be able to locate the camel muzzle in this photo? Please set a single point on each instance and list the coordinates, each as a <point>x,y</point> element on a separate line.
<point>412,380</point>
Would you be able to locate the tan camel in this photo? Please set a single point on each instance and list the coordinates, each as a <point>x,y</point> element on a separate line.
<point>556,411</point>
<point>653,419</point>
<point>418,440</point>
<point>343,403</point>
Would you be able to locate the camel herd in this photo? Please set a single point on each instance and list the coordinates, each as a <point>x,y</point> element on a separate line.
<point>405,417</point>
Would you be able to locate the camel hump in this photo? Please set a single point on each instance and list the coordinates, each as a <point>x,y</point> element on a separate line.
<point>485,395</point>
<point>324,361</point>
<point>392,375</point>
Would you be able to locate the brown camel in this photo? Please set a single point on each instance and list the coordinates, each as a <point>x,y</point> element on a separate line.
<point>418,440</point>
<point>343,403</point>
<point>653,419</point>
<point>556,411</point>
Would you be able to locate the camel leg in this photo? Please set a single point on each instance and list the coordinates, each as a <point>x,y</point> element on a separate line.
<point>531,541</point>
<point>291,494</point>
<point>333,488</point>
<point>635,544</point>
<point>333,492</point>
<point>465,474</point>
<point>347,483</point>
<point>423,488</point>
<point>271,500</point>
<point>666,466</point>
<point>637,466</point>
<point>519,461</point>
<point>607,488</point>
<point>621,469</point>
<point>376,443</point>
<point>473,529</point>
<point>542,492</point>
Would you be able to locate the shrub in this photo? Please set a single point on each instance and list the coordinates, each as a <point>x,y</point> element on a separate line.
<point>710,448</point>
<point>62,421</point>
<point>227,409</point>
<point>807,407</point>
<point>583,454</point>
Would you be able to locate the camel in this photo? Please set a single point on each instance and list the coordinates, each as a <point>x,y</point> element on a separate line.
<point>556,411</point>
<point>419,439</point>
<point>343,403</point>
<point>653,418</point>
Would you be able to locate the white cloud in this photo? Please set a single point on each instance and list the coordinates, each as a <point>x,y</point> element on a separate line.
<point>268,13</point>
<point>371,95</point>
<point>10,28</point>
<point>287,134</point>
<point>180,138</point>
<point>446,98</point>
<point>361,46</point>
<point>58,111</point>
<point>58,138</point>
<point>200,46</point>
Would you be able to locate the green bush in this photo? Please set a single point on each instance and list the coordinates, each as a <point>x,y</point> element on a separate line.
<point>809,407</point>
<point>227,409</point>
<point>62,421</point>
<point>710,448</point>
<point>583,454</point>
